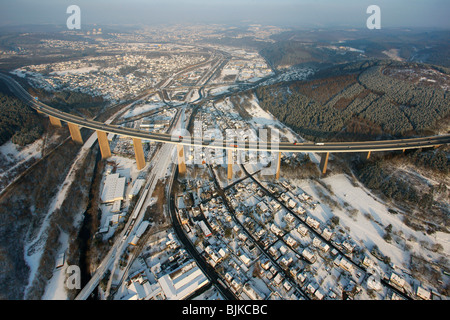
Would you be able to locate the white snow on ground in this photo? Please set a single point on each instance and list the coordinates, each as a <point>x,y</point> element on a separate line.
<point>39,241</point>
<point>14,153</point>
<point>260,116</point>
<point>192,95</point>
<point>291,74</point>
<point>143,109</point>
<point>126,167</point>
<point>75,71</point>
<point>394,54</point>
<point>222,178</point>
<point>15,156</point>
<point>22,73</point>
<point>220,90</point>
<point>55,289</point>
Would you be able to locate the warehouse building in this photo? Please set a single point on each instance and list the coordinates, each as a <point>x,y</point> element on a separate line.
<point>113,188</point>
<point>182,282</point>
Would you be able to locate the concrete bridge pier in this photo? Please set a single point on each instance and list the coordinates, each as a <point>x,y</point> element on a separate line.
<point>181,160</point>
<point>324,162</point>
<point>230,164</point>
<point>75,133</point>
<point>55,122</point>
<point>277,175</point>
<point>139,153</point>
<point>104,144</point>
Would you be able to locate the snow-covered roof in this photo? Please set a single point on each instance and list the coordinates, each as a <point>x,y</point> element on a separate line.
<point>182,282</point>
<point>113,188</point>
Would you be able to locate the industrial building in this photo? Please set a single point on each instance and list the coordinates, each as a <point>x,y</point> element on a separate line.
<point>113,188</point>
<point>182,282</point>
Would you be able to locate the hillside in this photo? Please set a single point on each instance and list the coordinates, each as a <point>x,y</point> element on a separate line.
<point>17,121</point>
<point>347,45</point>
<point>381,99</point>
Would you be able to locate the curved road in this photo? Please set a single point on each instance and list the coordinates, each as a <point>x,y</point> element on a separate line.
<point>334,147</point>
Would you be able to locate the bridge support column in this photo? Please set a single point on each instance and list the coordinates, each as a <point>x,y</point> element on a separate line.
<point>324,162</point>
<point>230,164</point>
<point>139,153</point>
<point>104,144</point>
<point>181,160</point>
<point>277,175</point>
<point>75,133</point>
<point>55,122</point>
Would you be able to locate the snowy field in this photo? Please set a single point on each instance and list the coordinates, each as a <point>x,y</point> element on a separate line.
<point>15,153</point>
<point>221,90</point>
<point>141,109</point>
<point>12,157</point>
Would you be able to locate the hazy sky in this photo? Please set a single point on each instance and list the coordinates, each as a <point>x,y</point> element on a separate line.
<point>291,13</point>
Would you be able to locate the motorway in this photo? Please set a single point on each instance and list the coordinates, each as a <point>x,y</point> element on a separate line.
<point>333,147</point>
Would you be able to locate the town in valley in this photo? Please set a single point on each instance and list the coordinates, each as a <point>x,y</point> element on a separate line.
<point>214,161</point>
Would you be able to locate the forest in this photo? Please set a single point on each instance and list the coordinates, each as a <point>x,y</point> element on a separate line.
<point>289,53</point>
<point>427,202</point>
<point>18,122</point>
<point>22,212</point>
<point>70,101</point>
<point>358,101</point>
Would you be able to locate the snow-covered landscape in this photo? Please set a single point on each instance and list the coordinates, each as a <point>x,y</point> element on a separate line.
<point>142,217</point>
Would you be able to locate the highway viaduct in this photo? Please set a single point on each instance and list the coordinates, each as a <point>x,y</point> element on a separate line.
<point>76,122</point>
